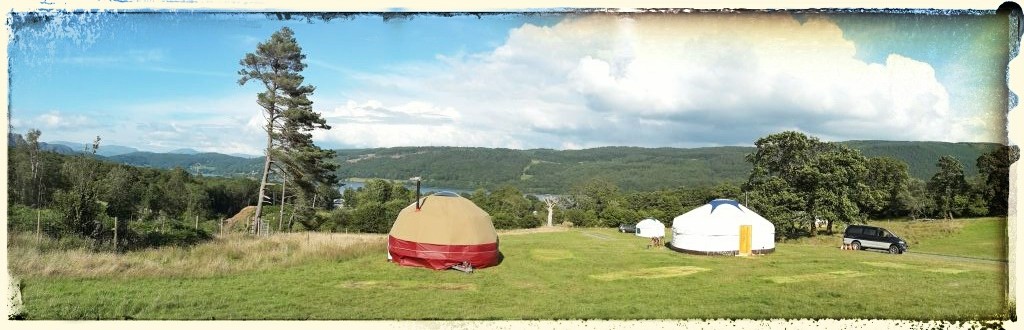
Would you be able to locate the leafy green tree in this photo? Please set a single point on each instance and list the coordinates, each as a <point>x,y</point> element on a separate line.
<point>976,204</point>
<point>122,190</point>
<point>797,179</point>
<point>176,195</point>
<point>289,114</point>
<point>783,154</point>
<point>994,168</point>
<point>916,200</point>
<point>375,190</point>
<point>371,217</point>
<point>948,187</point>
<point>601,196</point>
<point>889,178</point>
<point>34,191</point>
<point>78,205</point>
<point>779,167</point>
<point>727,190</point>
<point>837,178</point>
<point>153,199</point>
<point>508,207</point>
<point>777,201</point>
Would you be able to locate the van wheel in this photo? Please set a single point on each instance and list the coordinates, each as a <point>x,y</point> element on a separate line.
<point>855,245</point>
<point>894,249</point>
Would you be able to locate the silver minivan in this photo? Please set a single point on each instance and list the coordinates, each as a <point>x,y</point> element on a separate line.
<point>869,237</point>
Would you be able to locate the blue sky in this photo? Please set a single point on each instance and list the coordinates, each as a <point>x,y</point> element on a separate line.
<point>163,81</point>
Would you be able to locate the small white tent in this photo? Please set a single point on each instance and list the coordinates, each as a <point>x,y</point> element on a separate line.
<point>722,227</point>
<point>650,228</point>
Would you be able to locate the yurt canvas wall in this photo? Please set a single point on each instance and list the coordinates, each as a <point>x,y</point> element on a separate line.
<point>722,227</point>
<point>650,228</point>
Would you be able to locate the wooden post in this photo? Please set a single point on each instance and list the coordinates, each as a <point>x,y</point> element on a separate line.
<point>197,222</point>
<point>161,223</point>
<point>291,221</point>
<point>222,226</point>
<point>39,227</point>
<point>280,216</point>
<point>115,234</point>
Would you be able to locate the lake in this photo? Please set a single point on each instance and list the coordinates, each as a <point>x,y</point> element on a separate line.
<point>426,190</point>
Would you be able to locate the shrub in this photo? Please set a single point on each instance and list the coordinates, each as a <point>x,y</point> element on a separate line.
<point>504,221</point>
<point>371,217</point>
<point>147,235</point>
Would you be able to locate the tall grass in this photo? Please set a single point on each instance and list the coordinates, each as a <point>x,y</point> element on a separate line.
<point>228,254</point>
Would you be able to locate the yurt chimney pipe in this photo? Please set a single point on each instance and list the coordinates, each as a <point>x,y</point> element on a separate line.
<point>417,179</point>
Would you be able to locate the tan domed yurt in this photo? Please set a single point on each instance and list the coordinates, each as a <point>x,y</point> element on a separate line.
<point>443,230</point>
<point>722,227</point>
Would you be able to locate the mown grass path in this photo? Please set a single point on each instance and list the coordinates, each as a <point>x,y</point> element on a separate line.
<point>557,275</point>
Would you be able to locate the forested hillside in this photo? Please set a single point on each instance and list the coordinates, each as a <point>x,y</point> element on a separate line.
<point>554,171</point>
<point>207,163</point>
<point>921,156</point>
<point>631,168</point>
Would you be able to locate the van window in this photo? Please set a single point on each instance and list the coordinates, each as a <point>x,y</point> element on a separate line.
<point>855,230</point>
<point>870,232</point>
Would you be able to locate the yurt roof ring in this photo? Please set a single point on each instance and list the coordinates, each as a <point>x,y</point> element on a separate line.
<point>718,202</point>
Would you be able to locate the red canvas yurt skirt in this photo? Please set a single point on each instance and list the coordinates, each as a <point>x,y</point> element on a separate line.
<point>436,256</point>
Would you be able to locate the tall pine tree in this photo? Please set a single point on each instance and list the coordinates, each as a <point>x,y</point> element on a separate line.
<point>289,114</point>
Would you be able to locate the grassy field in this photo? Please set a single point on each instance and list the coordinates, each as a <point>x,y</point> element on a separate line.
<point>574,274</point>
<point>983,238</point>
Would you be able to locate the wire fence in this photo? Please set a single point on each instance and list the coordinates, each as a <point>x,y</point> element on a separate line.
<point>105,233</point>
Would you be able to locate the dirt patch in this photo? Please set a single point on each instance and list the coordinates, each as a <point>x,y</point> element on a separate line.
<point>946,270</point>
<point>405,285</point>
<point>548,255</point>
<point>905,266</point>
<point>650,273</point>
<point>815,276</point>
<point>597,236</point>
<point>240,219</point>
<point>888,265</point>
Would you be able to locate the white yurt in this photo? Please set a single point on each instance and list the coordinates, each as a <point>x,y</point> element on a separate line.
<point>650,228</point>
<point>722,227</point>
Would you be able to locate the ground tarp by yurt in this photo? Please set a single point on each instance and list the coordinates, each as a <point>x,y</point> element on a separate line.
<point>443,230</point>
<point>650,228</point>
<point>722,227</point>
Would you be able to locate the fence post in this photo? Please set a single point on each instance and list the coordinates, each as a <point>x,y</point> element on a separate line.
<point>222,226</point>
<point>197,222</point>
<point>39,227</point>
<point>115,234</point>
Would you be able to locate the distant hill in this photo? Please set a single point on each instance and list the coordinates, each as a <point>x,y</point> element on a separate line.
<point>921,156</point>
<point>105,150</point>
<point>15,139</point>
<point>632,168</point>
<point>184,151</point>
<point>245,155</point>
<point>208,163</point>
<point>555,171</point>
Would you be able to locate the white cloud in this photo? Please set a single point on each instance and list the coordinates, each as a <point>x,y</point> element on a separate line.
<point>226,125</point>
<point>374,124</point>
<point>654,80</point>
<point>58,120</point>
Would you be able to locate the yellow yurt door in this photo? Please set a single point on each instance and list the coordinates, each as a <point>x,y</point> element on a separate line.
<point>745,234</point>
